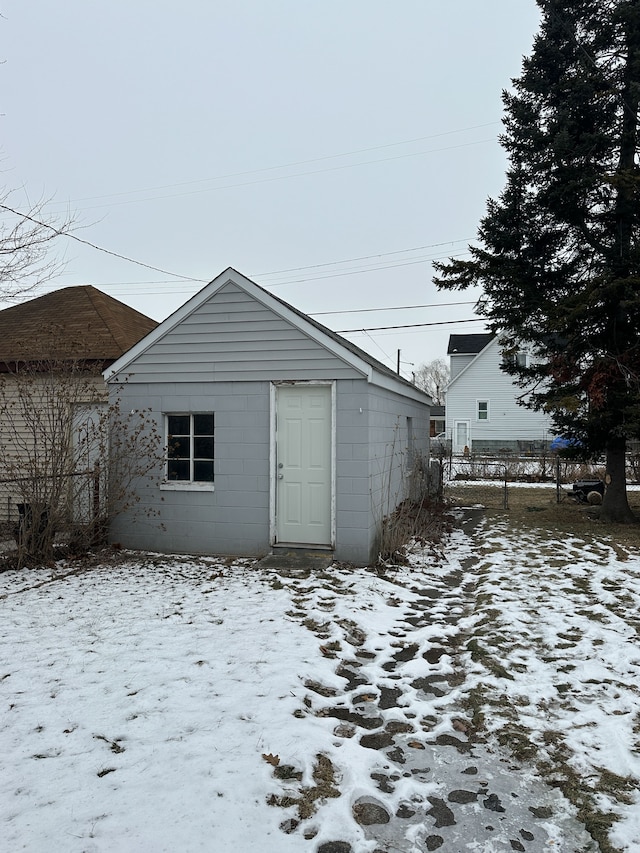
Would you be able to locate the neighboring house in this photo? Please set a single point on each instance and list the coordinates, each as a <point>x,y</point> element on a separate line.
<point>280,433</point>
<point>437,423</point>
<point>53,350</point>
<point>482,412</point>
<point>78,322</point>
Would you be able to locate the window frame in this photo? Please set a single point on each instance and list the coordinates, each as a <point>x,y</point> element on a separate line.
<point>518,359</point>
<point>189,484</point>
<point>487,417</point>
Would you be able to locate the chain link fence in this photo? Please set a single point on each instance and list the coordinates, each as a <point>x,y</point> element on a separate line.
<point>487,482</point>
<point>490,481</point>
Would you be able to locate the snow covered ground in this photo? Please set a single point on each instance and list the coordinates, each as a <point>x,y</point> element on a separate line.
<point>195,704</point>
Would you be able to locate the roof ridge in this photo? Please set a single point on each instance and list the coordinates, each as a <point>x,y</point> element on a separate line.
<point>336,336</point>
<point>82,320</point>
<point>98,305</point>
<point>233,276</point>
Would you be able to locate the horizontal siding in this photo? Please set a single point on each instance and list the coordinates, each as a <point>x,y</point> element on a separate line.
<point>29,441</point>
<point>459,362</point>
<point>484,380</point>
<point>232,337</point>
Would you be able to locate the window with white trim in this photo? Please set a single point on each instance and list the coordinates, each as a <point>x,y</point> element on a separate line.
<point>517,359</point>
<point>483,410</point>
<point>190,448</point>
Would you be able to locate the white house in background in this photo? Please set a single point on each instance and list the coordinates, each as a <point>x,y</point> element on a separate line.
<point>482,412</point>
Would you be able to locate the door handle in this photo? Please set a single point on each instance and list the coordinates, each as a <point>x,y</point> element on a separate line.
<point>281,476</point>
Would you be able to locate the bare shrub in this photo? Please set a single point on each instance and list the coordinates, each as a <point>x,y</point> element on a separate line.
<point>70,459</point>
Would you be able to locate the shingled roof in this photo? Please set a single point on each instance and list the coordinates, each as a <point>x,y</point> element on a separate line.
<point>468,344</point>
<point>74,322</point>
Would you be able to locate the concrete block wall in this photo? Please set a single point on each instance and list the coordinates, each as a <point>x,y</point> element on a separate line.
<point>371,469</point>
<point>234,517</point>
<point>353,499</point>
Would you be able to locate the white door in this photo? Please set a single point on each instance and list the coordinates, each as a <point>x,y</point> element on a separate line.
<point>460,436</point>
<point>303,464</point>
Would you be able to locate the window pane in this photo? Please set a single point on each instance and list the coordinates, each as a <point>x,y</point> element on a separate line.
<point>178,469</point>
<point>178,424</point>
<point>203,447</point>
<point>203,424</point>
<point>203,471</point>
<point>179,447</point>
<point>190,447</point>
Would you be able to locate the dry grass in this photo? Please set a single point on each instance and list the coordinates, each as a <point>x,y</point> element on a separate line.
<point>538,508</point>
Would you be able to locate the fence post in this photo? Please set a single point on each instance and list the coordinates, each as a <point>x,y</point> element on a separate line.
<point>558,479</point>
<point>96,492</point>
<point>506,494</point>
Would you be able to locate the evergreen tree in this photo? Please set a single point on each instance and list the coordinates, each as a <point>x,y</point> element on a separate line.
<point>559,253</point>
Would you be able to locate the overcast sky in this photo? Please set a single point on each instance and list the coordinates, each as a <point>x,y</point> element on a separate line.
<point>328,150</point>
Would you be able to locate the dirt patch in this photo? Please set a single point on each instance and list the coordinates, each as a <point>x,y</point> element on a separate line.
<point>538,507</point>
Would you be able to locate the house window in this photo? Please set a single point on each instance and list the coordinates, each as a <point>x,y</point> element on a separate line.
<point>483,410</point>
<point>518,359</point>
<point>190,448</point>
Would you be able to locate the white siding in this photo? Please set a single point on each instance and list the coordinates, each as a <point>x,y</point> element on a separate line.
<point>36,409</point>
<point>508,422</point>
<point>457,363</point>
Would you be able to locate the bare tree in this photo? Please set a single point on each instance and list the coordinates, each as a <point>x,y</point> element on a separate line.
<point>26,238</point>
<point>433,378</point>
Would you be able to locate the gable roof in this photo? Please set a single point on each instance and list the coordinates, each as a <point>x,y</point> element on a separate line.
<point>480,354</point>
<point>74,322</point>
<point>353,348</point>
<point>344,349</point>
<point>468,344</point>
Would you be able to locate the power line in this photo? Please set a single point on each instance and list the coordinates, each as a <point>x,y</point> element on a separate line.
<point>360,271</point>
<point>391,308</point>
<point>366,257</point>
<point>287,165</point>
<point>97,248</point>
<point>274,284</point>
<point>328,275</point>
<point>288,177</point>
<point>375,343</point>
<point>291,269</point>
<point>60,233</point>
<point>410,326</point>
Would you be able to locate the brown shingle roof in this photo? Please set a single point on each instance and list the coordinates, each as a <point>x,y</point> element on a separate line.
<point>74,322</point>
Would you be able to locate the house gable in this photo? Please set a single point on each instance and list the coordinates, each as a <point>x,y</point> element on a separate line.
<point>232,336</point>
<point>235,330</point>
<point>460,360</point>
<point>463,349</point>
<point>486,398</point>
